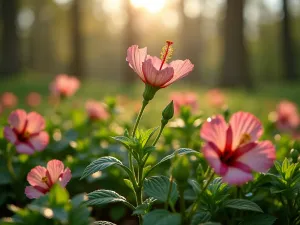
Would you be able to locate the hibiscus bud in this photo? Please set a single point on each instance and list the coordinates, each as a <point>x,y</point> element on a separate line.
<point>168,113</point>
<point>181,170</point>
<point>226,112</point>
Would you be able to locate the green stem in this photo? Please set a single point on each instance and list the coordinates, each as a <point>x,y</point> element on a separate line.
<point>11,168</point>
<point>159,134</point>
<point>182,203</point>
<point>145,103</point>
<point>196,204</point>
<point>169,192</point>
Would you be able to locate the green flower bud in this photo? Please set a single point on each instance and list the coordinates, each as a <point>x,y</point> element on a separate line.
<point>226,112</point>
<point>149,92</point>
<point>168,112</point>
<point>181,169</point>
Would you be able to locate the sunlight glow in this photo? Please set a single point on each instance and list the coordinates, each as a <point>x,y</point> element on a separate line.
<point>152,6</point>
<point>62,2</point>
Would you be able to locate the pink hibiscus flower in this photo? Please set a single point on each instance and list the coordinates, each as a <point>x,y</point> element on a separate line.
<point>188,99</point>
<point>233,149</point>
<point>215,98</point>
<point>9,100</point>
<point>96,110</point>
<point>42,179</point>
<point>33,99</point>
<point>26,131</point>
<point>288,118</point>
<point>154,71</point>
<point>64,85</point>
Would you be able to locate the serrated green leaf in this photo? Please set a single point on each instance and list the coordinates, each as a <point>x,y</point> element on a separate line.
<point>100,164</point>
<point>196,187</point>
<point>104,223</point>
<point>278,167</point>
<point>259,219</point>
<point>285,165</point>
<point>144,136</point>
<point>242,204</point>
<point>181,151</point>
<point>126,141</point>
<point>200,217</point>
<point>162,217</point>
<point>103,197</point>
<point>145,207</point>
<point>158,188</point>
<point>149,149</point>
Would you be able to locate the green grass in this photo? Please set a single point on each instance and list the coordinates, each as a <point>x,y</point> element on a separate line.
<point>260,101</point>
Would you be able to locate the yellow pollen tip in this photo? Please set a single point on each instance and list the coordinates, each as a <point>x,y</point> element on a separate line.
<point>245,139</point>
<point>26,134</point>
<point>44,179</point>
<point>167,51</point>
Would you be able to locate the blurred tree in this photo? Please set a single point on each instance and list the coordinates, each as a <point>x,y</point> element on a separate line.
<point>287,44</point>
<point>235,71</point>
<point>41,37</point>
<point>130,37</point>
<point>77,57</point>
<point>190,45</point>
<point>10,49</point>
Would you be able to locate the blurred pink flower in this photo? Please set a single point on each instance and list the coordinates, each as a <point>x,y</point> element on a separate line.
<point>288,118</point>
<point>154,71</point>
<point>96,110</point>
<point>26,131</point>
<point>42,179</point>
<point>9,100</point>
<point>64,85</point>
<point>233,149</point>
<point>188,99</point>
<point>33,99</point>
<point>215,98</point>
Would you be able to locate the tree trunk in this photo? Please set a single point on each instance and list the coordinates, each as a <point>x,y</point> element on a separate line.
<point>130,38</point>
<point>287,44</point>
<point>77,59</point>
<point>190,45</point>
<point>235,71</point>
<point>10,55</point>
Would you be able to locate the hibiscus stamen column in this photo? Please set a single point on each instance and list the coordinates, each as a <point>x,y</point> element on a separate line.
<point>166,53</point>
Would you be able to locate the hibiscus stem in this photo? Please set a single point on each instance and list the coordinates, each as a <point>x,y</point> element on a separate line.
<point>196,204</point>
<point>145,103</point>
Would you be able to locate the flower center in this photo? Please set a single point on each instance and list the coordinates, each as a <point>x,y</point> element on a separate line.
<point>166,53</point>
<point>24,136</point>
<point>245,139</point>
<point>45,179</point>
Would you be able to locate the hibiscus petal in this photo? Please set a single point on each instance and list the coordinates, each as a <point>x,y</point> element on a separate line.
<point>213,158</point>
<point>24,149</point>
<point>236,176</point>
<point>32,193</point>
<point>154,77</point>
<point>135,58</point>
<point>214,130</point>
<point>10,135</point>
<point>55,168</point>
<point>66,177</point>
<point>40,141</point>
<point>246,128</point>
<point>35,123</point>
<point>17,119</point>
<point>181,69</point>
<point>260,158</point>
<point>35,177</point>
